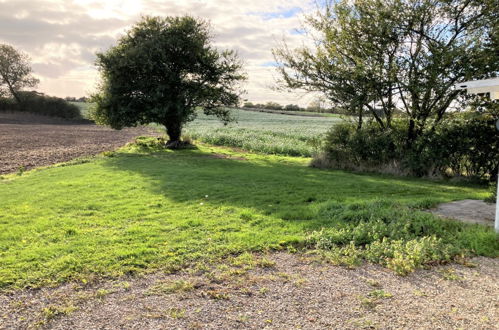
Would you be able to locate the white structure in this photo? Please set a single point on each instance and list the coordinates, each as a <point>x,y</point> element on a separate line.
<point>484,86</point>
<point>491,87</point>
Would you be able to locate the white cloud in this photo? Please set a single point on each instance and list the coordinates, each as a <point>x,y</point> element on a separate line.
<point>62,37</point>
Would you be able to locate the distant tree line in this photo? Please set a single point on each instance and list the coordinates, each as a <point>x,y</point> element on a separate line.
<point>76,99</point>
<point>318,106</point>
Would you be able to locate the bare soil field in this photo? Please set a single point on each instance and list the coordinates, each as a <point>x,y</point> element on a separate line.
<point>287,291</point>
<point>28,141</point>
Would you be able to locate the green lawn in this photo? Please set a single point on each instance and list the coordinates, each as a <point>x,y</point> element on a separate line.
<point>135,210</point>
<point>268,133</point>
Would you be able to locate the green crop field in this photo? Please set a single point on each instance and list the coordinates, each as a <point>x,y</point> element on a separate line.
<point>144,208</point>
<point>264,132</point>
<point>84,108</point>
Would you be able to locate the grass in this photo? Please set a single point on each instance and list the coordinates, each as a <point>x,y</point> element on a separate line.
<point>154,209</point>
<point>263,132</point>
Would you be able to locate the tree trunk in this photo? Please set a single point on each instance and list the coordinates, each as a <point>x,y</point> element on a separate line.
<point>18,100</point>
<point>174,131</point>
<point>12,91</point>
<point>411,134</point>
<point>359,124</point>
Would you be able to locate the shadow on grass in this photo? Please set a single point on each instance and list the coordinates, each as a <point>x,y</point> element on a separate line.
<point>279,186</point>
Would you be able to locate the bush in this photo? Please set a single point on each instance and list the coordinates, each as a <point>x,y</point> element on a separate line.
<point>7,104</point>
<point>462,145</point>
<point>42,105</point>
<point>492,198</point>
<point>292,107</point>
<point>273,106</point>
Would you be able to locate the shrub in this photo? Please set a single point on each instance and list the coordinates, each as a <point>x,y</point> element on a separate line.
<point>292,107</point>
<point>7,104</point>
<point>273,106</point>
<point>462,145</point>
<point>40,104</point>
<point>48,106</point>
<point>492,198</point>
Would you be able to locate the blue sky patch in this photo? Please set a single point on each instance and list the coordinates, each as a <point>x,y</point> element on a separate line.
<point>271,64</point>
<point>297,31</point>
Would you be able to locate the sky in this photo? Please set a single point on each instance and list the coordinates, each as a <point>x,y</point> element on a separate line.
<point>62,37</point>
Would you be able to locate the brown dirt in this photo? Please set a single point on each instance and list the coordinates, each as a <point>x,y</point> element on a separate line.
<point>295,292</point>
<point>29,141</point>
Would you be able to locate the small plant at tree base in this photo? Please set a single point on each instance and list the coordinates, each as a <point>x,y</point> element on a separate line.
<point>161,71</point>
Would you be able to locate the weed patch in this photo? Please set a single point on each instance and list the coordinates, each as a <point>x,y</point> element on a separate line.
<point>171,287</point>
<point>397,237</point>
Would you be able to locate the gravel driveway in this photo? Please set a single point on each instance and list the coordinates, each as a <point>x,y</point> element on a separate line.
<point>290,291</point>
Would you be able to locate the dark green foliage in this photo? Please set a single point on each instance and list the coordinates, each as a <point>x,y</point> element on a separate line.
<point>160,71</point>
<point>466,144</point>
<point>349,148</point>
<point>273,106</point>
<point>7,104</point>
<point>492,198</point>
<point>292,107</point>
<point>463,145</point>
<point>42,105</point>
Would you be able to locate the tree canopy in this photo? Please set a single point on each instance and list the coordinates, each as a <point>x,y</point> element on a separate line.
<point>15,72</point>
<point>386,56</point>
<point>161,71</point>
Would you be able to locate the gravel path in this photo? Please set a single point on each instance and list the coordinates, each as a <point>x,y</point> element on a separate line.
<point>468,210</point>
<point>287,291</point>
<point>30,141</point>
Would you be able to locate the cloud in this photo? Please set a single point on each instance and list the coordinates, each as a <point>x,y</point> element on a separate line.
<point>62,37</point>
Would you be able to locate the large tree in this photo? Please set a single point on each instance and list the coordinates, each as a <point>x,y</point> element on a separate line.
<point>384,56</point>
<point>161,71</point>
<point>15,72</point>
